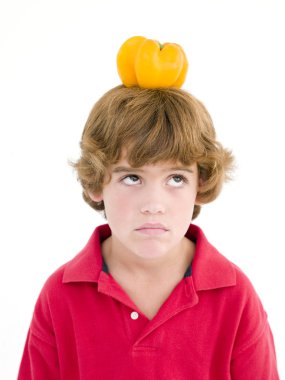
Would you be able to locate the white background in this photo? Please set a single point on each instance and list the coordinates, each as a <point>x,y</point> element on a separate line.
<point>57,58</point>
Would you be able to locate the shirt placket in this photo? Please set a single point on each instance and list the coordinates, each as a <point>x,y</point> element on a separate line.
<point>137,326</point>
<point>133,320</point>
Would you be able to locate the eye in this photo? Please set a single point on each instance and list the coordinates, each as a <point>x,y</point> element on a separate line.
<point>177,180</point>
<point>131,180</point>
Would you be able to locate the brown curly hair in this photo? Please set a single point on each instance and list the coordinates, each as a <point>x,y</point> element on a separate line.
<point>154,125</point>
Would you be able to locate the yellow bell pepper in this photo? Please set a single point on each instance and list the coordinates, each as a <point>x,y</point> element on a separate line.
<point>148,64</point>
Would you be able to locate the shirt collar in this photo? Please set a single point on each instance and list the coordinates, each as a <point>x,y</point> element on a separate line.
<point>87,265</point>
<point>210,269</point>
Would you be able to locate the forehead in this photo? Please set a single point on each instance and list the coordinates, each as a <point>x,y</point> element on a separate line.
<point>123,166</point>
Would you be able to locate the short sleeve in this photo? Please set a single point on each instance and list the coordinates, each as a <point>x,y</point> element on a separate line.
<point>257,360</point>
<point>40,358</point>
<point>253,355</point>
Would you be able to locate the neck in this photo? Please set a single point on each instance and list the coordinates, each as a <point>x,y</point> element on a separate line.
<point>175,262</point>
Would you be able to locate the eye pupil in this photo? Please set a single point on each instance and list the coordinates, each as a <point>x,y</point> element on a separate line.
<point>178,180</point>
<point>131,179</point>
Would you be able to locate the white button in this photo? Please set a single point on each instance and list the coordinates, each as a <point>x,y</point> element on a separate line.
<point>134,315</point>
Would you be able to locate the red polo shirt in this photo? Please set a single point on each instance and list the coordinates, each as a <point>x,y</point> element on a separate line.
<point>212,326</point>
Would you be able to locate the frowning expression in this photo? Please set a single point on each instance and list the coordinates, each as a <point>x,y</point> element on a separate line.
<point>149,208</point>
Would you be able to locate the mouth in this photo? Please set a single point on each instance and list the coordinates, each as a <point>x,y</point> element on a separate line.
<point>152,229</point>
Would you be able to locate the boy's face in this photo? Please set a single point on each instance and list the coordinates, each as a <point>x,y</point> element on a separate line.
<point>149,209</point>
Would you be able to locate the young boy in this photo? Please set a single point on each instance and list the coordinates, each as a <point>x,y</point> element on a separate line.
<point>149,298</point>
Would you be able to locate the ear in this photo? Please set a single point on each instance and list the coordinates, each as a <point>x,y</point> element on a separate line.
<point>198,202</point>
<point>95,197</point>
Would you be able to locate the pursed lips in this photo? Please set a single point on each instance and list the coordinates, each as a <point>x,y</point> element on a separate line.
<point>152,229</point>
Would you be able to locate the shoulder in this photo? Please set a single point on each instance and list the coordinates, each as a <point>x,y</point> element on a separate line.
<point>212,269</point>
<point>243,283</point>
<point>251,305</point>
<point>52,290</point>
<point>85,267</point>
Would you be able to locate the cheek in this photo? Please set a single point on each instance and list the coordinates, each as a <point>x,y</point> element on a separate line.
<point>118,203</point>
<point>183,207</point>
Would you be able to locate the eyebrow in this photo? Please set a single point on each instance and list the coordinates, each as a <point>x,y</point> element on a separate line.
<point>126,169</point>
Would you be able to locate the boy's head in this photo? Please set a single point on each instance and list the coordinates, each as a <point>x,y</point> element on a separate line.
<point>151,126</point>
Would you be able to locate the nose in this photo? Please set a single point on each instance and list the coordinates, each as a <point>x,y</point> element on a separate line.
<point>152,204</point>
